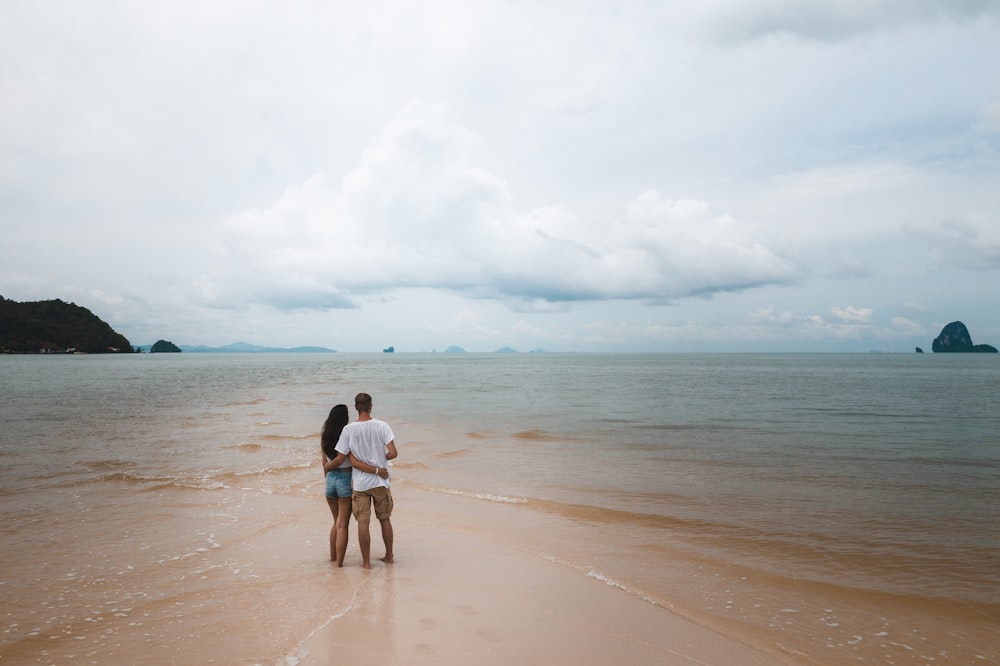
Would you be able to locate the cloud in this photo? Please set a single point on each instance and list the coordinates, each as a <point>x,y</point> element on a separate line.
<point>970,242</point>
<point>907,326</point>
<point>783,327</point>
<point>419,212</point>
<point>842,322</point>
<point>989,118</point>
<point>843,200</point>
<point>770,317</point>
<point>852,314</point>
<point>824,21</point>
<point>642,172</point>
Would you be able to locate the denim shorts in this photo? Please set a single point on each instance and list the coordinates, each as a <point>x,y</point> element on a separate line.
<point>338,483</point>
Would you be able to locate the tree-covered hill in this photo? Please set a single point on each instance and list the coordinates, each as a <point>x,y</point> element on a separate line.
<point>56,326</point>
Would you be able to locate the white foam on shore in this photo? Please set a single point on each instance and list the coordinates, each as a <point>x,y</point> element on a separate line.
<point>591,572</point>
<point>300,651</point>
<point>487,497</point>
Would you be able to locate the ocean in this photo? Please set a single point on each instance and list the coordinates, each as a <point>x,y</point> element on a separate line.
<point>831,508</point>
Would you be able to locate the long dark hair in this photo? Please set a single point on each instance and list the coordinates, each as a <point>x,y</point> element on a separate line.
<point>335,422</point>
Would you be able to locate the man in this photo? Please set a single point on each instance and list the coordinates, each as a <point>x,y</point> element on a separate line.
<point>370,441</point>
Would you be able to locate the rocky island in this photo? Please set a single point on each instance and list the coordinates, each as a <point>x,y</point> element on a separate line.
<point>164,346</point>
<point>955,338</point>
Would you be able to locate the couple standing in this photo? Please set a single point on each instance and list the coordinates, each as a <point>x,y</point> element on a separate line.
<point>355,459</point>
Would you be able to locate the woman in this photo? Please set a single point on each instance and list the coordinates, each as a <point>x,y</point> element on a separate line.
<point>338,481</point>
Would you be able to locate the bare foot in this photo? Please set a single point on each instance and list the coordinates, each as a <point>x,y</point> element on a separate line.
<point>366,565</point>
<point>388,559</point>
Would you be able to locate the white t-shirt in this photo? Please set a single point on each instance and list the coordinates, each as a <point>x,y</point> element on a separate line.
<point>366,440</point>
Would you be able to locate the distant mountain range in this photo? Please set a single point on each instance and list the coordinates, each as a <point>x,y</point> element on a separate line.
<point>246,348</point>
<point>55,326</point>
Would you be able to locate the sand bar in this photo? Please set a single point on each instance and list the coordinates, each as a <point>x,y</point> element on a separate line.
<point>454,597</point>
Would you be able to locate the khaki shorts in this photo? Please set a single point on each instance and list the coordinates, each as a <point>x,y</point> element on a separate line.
<point>361,503</point>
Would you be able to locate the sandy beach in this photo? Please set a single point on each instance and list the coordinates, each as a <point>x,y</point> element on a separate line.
<point>263,591</point>
<point>455,597</point>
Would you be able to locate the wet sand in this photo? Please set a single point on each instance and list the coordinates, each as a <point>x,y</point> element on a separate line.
<point>241,575</point>
<point>455,597</point>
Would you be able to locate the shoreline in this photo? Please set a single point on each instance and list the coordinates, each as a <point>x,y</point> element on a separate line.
<point>453,596</point>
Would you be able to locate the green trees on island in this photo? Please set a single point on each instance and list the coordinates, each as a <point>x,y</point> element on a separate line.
<point>163,346</point>
<point>56,327</point>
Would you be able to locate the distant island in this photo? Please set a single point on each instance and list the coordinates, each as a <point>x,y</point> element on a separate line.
<point>56,327</point>
<point>243,348</point>
<point>955,338</point>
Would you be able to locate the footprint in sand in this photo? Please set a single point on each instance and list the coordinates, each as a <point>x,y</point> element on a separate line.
<point>488,635</point>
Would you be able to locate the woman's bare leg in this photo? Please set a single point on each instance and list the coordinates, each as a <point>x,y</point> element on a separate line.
<point>334,507</point>
<point>341,524</point>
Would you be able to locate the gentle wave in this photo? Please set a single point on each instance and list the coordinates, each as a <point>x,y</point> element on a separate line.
<point>408,466</point>
<point>539,436</point>
<point>243,403</point>
<point>280,437</point>
<point>268,471</point>
<point>591,572</point>
<point>453,454</point>
<point>154,482</point>
<point>484,496</point>
<point>904,572</point>
<point>247,448</point>
<point>211,480</point>
<point>300,651</point>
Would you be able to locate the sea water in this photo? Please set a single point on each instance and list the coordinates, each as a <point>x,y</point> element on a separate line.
<point>834,508</point>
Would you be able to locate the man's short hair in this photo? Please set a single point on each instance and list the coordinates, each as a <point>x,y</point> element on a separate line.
<point>363,402</point>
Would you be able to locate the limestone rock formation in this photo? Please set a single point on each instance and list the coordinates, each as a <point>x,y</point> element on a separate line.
<point>955,338</point>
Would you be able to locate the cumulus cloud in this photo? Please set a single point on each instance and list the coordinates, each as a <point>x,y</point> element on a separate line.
<point>763,324</point>
<point>659,168</point>
<point>852,314</point>
<point>418,211</point>
<point>841,322</point>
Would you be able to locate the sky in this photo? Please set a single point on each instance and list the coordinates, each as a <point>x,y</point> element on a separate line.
<point>720,176</point>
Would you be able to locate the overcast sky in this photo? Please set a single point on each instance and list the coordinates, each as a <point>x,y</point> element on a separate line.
<point>727,175</point>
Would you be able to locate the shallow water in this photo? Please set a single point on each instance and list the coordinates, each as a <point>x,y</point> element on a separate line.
<point>830,508</point>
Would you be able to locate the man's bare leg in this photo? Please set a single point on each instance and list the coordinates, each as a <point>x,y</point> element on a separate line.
<point>387,539</point>
<point>365,542</point>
